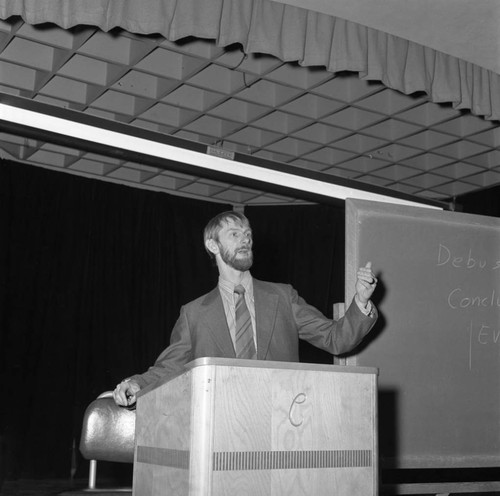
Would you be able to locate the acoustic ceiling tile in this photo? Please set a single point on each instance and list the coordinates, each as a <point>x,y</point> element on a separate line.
<point>211,126</point>
<point>348,87</point>
<point>395,152</point>
<point>254,137</point>
<point>395,172</point>
<point>329,156</point>
<point>169,115</point>
<point>28,53</point>
<point>199,138</point>
<point>105,114</point>
<point>198,188</point>
<point>102,158</point>
<point>461,149</point>
<point>389,102</point>
<point>115,49</point>
<point>181,176</point>
<point>19,140</point>
<point>152,126</point>
<point>118,102</point>
<point>253,63</point>
<point>281,122</point>
<point>312,106</point>
<point>92,167</point>
<point>8,151</point>
<point>276,157</point>
<point>202,48</point>
<point>407,189</point>
<point>66,89</point>
<point>17,76</point>
<point>464,126</point>
<point>8,90</point>
<point>485,179</point>
<point>363,165</point>
<point>63,150</point>
<point>53,158</point>
<point>489,159</point>
<point>458,170</point>
<point>292,146</point>
<point>218,78</point>
<point>360,144</point>
<point>454,188</point>
<point>428,139</point>
<point>427,161</point>
<point>431,194</point>
<point>88,69</point>
<point>353,118</point>
<point>267,93</point>
<point>264,199</point>
<point>341,172</point>
<point>145,85</point>
<point>162,182</point>
<point>50,35</point>
<point>7,25</point>
<point>140,167</point>
<point>238,110</point>
<point>232,146</point>
<point>193,98</point>
<point>374,180</point>
<point>392,129</point>
<point>234,195</point>
<point>131,174</point>
<point>321,133</point>
<point>170,64</point>
<point>426,180</point>
<point>491,137</point>
<point>429,114</point>
<point>292,74</point>
<point>308,164</point>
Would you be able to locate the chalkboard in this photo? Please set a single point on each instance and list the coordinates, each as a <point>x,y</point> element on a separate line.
<point>437,343</point>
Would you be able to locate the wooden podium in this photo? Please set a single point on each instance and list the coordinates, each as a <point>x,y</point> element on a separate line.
<point>230,427</point>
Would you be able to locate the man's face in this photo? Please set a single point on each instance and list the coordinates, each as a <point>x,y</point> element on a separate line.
<point>235,245</point>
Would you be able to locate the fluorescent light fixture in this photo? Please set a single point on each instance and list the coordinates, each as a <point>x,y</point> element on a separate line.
<point>207,161</point>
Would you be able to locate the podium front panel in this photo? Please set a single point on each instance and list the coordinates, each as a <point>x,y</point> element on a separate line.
<point>227,427</point>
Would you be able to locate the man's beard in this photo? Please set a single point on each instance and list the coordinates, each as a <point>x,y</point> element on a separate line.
<point>240,264</point>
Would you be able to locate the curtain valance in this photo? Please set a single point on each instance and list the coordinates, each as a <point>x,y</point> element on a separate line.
<point>289,33</point>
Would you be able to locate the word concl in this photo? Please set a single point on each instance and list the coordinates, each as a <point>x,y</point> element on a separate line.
<point>456,299</point>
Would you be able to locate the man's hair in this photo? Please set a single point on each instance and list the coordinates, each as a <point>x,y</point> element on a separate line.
<point>215,224</point>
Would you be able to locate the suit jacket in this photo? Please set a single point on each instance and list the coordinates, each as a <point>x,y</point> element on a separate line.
<point>282,318</point>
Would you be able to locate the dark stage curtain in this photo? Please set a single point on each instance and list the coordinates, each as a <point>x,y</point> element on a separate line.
<point>483,202</point>
<point>303,246</point>
<point>92,278</point>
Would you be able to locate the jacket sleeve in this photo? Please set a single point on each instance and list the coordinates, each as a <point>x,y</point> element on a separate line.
<point>172,360</point>
<point>336,337</point>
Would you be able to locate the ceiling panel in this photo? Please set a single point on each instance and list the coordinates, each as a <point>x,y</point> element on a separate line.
<point>304,118</point>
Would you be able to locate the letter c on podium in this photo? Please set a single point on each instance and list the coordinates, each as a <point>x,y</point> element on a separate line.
<point>298,400</point>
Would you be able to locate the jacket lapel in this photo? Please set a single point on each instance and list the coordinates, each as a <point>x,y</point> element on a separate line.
<point>266,306</point>
<point>214,320</point>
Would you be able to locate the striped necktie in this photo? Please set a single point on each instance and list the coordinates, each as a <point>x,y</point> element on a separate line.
<point>244,344</point>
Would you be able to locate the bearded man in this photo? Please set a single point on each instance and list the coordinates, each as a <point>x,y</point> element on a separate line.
<point>250,319</point>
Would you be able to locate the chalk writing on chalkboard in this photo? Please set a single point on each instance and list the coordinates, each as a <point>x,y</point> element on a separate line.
<point>481,334</point>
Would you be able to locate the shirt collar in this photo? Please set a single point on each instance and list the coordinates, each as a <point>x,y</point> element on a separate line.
<point>246,282</point>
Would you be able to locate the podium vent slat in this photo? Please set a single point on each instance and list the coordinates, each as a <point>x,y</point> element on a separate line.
<point>279,460</point>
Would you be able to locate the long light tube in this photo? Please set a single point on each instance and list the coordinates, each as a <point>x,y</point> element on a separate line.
<point>207,161</point>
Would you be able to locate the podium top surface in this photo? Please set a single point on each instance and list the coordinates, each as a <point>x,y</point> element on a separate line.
<point>261,364</point>
<point>268,364</point>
